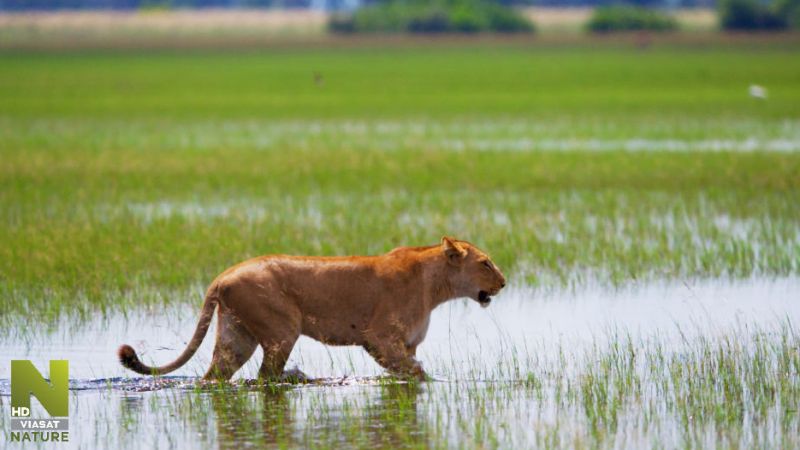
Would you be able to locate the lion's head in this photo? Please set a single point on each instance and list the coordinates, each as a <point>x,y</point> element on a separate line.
<point>472,272</point>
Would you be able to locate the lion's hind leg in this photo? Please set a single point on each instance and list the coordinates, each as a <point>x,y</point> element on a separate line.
<point>234,346</point>
<point>275,323</point>
<point>276,353</point>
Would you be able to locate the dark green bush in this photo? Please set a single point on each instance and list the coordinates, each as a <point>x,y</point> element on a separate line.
<point>629,18</point>
<point>755,15</point>
<point>506,20</point>
<point>465,19</point>
<point>430,21</point>
<point>438,16</point>
<point>790,11</point>
<point>340,23</point>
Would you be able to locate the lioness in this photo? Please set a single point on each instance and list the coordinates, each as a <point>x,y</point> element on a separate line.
<point>382,303</point>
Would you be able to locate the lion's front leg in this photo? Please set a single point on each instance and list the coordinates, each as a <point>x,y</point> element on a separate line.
<point>396,357</point>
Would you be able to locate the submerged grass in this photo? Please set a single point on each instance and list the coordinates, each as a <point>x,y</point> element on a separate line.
<point>739,389</point>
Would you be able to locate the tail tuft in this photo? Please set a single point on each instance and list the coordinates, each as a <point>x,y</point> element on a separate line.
<point>128,358</point>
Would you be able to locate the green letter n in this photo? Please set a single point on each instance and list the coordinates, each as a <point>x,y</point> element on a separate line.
<point>26,380</point>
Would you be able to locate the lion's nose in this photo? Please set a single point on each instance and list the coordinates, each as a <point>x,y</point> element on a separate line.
<point>502,284</point>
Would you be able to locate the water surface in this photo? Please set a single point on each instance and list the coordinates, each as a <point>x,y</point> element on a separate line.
<point>507,375</point>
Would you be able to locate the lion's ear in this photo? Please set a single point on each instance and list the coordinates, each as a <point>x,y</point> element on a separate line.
<point>454,252</point>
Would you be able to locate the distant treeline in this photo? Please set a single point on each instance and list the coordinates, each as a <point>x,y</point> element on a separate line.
<point>332,5</point>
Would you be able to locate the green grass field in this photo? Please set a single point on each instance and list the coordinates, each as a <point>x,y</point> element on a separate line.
<point>139,173</point>
<point>416,82</point>
<point>131,179</point>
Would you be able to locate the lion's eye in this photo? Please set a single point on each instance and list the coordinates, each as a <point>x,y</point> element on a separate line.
<point>487,264</point>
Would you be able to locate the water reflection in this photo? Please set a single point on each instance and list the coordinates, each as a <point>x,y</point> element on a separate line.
<point>259,414</point>
<point>393,421</point>
<point>268,416</point>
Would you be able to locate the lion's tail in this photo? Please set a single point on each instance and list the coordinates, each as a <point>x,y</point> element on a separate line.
<point>128,358</point>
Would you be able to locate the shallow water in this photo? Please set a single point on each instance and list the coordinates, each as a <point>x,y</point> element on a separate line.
<point>503,135</point>
<point>482,358</point>
<point>460,330</point>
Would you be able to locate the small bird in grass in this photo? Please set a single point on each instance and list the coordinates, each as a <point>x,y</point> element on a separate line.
<point>318,78</point>
<point>757,91</point>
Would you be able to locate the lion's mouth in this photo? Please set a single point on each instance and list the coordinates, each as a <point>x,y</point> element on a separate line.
<point>484,299</point>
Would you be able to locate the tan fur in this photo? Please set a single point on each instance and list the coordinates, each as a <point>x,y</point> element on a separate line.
<point>382,303</point>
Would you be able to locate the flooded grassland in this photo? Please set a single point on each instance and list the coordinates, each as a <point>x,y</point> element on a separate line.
<point>653,297</point>
<point>648,223</point>
<point>701,364</point>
